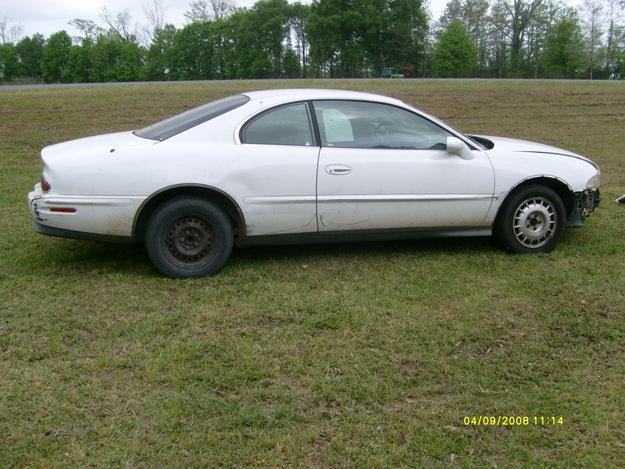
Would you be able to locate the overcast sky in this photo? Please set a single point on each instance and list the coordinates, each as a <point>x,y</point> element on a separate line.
<point>50,16</point>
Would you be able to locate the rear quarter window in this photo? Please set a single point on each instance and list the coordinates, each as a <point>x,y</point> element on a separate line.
<point>286,125</point>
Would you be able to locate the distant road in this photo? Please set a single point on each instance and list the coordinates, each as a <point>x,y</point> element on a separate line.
<point>127,83</point>
<point>174,82</point>
<point>267,80</point>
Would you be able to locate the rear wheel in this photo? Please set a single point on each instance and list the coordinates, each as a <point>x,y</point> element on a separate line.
<point>189,237</point>
<point>531,220</point>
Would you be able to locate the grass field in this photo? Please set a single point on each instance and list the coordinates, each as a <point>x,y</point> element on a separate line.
<point>352,355</point>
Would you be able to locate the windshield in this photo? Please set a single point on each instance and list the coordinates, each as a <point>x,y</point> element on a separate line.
<point>484,143</point>
<point>176,124</point>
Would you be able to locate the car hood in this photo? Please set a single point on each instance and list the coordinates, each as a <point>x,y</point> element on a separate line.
<point>98,145</point>
<point>503,146</point>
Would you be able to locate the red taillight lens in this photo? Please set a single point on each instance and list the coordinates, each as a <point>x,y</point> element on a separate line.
<point>45,185</point>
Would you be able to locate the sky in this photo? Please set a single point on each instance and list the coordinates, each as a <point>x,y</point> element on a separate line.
<point>47,17</point>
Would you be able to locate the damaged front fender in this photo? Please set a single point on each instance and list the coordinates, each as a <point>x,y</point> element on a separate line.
<point>584,203</point>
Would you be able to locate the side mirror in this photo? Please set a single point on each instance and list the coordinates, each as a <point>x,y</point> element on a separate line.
<point>456,146</point>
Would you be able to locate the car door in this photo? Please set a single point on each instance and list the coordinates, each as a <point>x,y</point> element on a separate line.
<point>278,184</point>
<point>385,167</point>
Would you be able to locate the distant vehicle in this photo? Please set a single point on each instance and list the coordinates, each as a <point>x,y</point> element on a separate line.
<point>391,72</point>
<point>309,166</point>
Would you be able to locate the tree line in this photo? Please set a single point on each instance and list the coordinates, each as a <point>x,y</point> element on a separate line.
<point>328,38</point>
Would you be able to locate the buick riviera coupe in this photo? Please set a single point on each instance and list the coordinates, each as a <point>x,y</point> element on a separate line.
<point>306,165</point>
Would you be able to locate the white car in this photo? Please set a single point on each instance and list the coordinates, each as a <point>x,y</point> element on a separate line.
<point>306,165</point>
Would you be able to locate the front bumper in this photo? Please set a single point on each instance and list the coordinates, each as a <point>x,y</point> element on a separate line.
<point>584,203</point>
<point>103,216</point>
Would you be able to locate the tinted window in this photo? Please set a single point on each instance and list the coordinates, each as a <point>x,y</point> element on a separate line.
<point>288,125</point>
<point>186,120</point>
<point>358,124</point>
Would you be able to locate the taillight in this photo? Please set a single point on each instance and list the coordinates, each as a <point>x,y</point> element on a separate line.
<point>45,185</point>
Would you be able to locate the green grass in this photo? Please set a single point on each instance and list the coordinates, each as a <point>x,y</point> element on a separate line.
<point>352,355</point>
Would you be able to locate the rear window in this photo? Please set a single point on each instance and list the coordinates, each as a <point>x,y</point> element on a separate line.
<point>176,124</point>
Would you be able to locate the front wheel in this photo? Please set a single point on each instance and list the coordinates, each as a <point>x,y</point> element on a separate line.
<point>531,220</point>
<point>189,237</point>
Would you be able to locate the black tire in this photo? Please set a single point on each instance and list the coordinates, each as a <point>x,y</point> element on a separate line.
<point>188,237</point>
<point>531,220</point>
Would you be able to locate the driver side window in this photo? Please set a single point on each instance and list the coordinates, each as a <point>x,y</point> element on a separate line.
<point>361,124</point>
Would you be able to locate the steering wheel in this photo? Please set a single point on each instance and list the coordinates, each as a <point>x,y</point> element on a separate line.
<point>438,146</point>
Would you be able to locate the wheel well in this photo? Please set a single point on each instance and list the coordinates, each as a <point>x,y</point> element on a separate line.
<point>559,187</point>
<point>225,202</point>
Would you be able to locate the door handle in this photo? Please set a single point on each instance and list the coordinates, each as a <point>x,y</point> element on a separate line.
<point>338,169</point>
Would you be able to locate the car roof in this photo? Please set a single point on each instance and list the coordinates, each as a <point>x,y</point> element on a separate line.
<point>286,95</point>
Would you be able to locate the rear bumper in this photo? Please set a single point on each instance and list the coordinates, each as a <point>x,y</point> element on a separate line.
<point>104,217</point>
<point>62,233</point>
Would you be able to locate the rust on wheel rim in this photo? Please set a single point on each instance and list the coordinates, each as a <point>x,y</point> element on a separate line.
<point>189,241</point>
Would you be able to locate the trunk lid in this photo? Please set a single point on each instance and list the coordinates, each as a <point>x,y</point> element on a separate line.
<point>89,147</point>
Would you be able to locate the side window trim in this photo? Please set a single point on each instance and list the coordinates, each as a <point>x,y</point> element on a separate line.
<point>312,123</point>
<point>318,135</point>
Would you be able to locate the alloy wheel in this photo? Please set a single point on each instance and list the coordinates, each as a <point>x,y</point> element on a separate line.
<point>534,222</point>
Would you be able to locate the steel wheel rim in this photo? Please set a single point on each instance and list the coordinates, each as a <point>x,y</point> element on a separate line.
<point>534,223</point>
<point>188,241</point>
